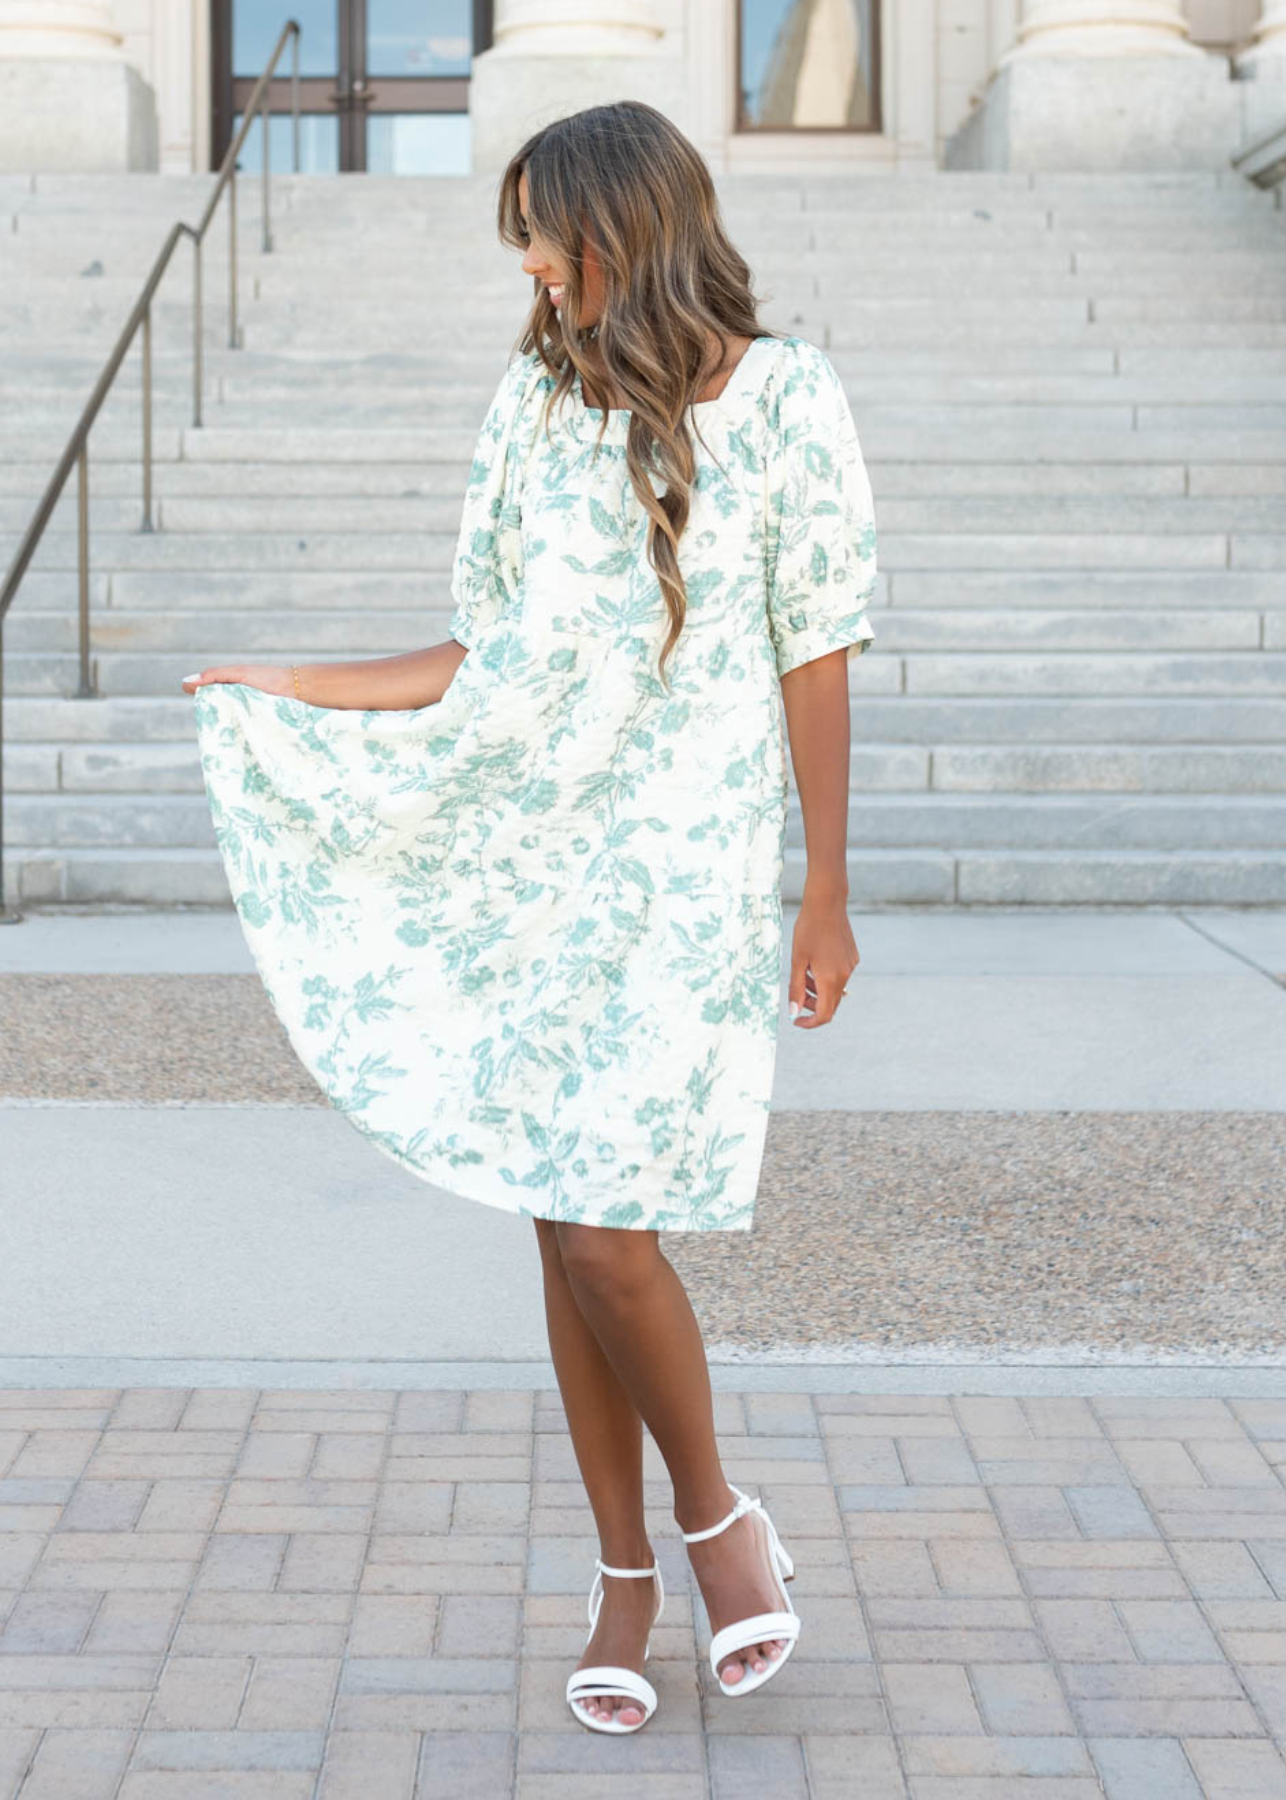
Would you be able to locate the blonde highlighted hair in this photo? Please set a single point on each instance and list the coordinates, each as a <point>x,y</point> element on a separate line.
<point>626,179</point>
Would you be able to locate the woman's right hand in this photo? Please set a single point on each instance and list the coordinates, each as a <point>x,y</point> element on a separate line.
<point>268,676</point>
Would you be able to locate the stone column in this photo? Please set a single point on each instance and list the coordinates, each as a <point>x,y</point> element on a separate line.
<point>58,28</point>
<point>68,99</point>
<point>578,27</point>
<point>1101,28</point>
<point>1102,85</point>
<point>552,57</point>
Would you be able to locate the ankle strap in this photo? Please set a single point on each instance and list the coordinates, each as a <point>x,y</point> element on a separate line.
<point>744,1505</point>
<point>609,1570</point>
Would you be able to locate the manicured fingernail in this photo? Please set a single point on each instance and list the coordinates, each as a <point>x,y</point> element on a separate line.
<point>195,677</point>
<point>794,1009</point>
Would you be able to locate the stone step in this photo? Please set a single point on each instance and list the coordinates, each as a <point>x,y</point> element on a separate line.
<point>845,325</point>
<point>928,820</point>
<point>107,512</point>
<point>1099,821</point>
<point>38,375</point>
<point>1088,719</point>
<point>1051,878</point>
<point>980,514</point>
<point>1034,318</point>
<point>193,876</point>
<point>432,550</point>
<point>1072,878</point>
<point>377,391</point>
<point>1077,589</point>
<point>884,213</point>
<point>244,515</point>
<point>1110,770</point>
<point>875,273</point>
<point>110,440</point>
<point>473,369</point>
<point>928,477</point>
<point>1200,329</point>
<point>909,591</point>
<point>1184,192</point>
<point>890,480</point>
<point>78,321</point>
<point>983,722</point>
<point>1115,769</point>
<point>953,442</point>
<point>1252,673</point>
<point>261,631</point>
<point>788,263</point>
<point>1106,672</point>
<point>54,768</point>
<point>941,590</point>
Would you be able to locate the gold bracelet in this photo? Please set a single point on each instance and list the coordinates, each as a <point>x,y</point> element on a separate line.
<point>295,672</point>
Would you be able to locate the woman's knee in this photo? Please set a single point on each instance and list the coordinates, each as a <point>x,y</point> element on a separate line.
<point>606,1262</point>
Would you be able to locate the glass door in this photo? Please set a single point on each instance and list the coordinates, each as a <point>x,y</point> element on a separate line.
<point>384,84</point>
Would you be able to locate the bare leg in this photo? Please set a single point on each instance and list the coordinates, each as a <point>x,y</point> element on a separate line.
<point>631,1296</point>
<point>607,1435</point>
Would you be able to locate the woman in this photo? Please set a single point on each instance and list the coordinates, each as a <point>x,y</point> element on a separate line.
<point>516,897</point>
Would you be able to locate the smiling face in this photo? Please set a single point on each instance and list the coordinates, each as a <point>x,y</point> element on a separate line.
<point>547,266</point>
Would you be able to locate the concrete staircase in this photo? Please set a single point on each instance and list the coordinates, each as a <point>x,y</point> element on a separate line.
<point>1071,393</point>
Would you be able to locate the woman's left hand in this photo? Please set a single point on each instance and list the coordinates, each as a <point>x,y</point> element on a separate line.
<point>823,956</point>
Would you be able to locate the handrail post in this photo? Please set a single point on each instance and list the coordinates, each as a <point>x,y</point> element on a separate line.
<point>86,690</point>
<point>197,329</point>
<point>232,259</point>
<point>8,915</point>
<point>265,118</point>
<point>147,420</point>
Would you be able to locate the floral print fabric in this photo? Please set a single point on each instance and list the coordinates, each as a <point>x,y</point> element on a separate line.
<point>528,938</point>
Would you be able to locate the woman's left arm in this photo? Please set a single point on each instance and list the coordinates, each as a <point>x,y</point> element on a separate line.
<point>823,954</point>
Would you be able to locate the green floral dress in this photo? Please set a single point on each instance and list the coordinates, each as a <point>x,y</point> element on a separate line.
<point>529,938</point>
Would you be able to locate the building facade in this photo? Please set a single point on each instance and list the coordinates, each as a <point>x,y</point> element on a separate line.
<point>448,86</point>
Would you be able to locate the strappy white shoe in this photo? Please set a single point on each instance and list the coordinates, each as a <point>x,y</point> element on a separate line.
<point>607,1678</point>
<point>759,1628</point>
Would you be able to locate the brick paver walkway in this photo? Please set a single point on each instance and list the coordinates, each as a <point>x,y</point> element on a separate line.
<point>376,1595</point>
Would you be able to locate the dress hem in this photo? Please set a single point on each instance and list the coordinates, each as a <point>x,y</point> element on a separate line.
<point>497,1193</point>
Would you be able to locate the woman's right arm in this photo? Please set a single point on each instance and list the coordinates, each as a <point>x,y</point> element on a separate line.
<point>382,683</point>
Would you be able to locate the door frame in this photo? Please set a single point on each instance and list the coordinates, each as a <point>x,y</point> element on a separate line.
<point>341,92</point>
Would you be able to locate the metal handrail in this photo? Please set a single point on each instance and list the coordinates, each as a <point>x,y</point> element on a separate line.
<point>140,319</point>
<point>1264,161</point>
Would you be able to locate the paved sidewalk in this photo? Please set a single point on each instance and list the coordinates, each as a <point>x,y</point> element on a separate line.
<point>1027,1133</point>
<point>368,1594</point>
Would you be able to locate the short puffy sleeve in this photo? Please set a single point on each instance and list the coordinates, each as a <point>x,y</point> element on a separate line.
<point>821,521</point>
<point>487,568</point>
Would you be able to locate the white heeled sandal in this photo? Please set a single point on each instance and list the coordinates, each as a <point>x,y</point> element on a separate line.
<point>759,1628</point>
<point>607,1678</point>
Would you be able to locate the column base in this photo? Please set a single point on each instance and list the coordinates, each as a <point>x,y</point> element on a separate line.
<point>75,116</point>
<point>513,93</point>
<point>1102,113</point>
<point>1265,61</point>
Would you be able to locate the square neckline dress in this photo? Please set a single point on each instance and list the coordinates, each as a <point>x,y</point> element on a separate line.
<point>528,938</point>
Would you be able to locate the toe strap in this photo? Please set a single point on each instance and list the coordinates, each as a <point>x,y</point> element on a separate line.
<point>759,1628</point>
<point>606,1678</point>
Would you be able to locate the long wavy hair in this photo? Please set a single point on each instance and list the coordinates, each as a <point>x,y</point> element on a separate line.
<point>623,177</point>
